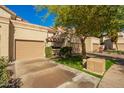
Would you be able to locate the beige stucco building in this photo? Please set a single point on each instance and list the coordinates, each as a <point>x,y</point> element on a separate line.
<point>20,39</point>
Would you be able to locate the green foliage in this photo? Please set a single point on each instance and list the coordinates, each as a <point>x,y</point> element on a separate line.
<point>109,63</point>
<point>87,20</point>
<point>4,76</point>
<point>113,35</point>
<point>75,62</point>
<point>48,52</point>
<point>65,52</point>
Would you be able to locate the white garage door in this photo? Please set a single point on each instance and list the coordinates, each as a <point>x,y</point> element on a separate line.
<point>29,49</point>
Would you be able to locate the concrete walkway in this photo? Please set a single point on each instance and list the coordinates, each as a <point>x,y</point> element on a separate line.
<point>113,78</point>
<point>47,74</point>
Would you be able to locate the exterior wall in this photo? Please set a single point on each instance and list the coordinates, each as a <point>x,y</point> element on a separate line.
<point>49,43</point>
<point>88,43</point>
<point>96,47</point>
<point>92,44</point>
<point>4,36</point>
<point>11,41</point>
<point>95,44</point>
<point>120,40</point>
<point>50,34</point>
<point>76,45</point>
<point>120,44</point>
<point>3,13</point>
<point>29,32</point>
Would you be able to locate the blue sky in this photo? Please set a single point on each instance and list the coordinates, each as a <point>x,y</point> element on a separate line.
<point>28,13</point>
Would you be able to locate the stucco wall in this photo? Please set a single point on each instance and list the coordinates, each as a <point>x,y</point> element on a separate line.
<point>49,43</point>
<point>95,44</point>
<point>92,44</point>
<point>29,32</point>
<point>88,43</point>
<point>11,41</point>
<point>3,13</point>
<point>95,40</point>
<point>120,40</point>
<point>50,34</point>
<point>120,44</point>
<point>4,36</point>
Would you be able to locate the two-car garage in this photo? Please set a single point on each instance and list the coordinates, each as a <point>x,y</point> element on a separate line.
<point>27,49</point>
<point>29,41</point>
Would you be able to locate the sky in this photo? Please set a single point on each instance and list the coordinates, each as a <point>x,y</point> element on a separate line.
<point>28,13</point>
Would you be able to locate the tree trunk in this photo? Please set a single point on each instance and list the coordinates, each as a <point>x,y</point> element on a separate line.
<point>116,45</point>
<point>83,49</point>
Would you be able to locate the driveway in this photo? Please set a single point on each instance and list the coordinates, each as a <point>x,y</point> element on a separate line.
<point>47,74</point>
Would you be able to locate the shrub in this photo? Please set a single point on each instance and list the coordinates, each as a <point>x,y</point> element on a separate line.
<point>48,52</point>
<point>65,52</point>
<point>4,75</point>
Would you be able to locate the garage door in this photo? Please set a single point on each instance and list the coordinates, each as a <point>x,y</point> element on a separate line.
<point>29,49</point>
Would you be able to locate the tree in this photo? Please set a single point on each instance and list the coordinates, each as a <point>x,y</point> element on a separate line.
<point>114,37</point>
<point>116,24</point>
<point>87,20</point>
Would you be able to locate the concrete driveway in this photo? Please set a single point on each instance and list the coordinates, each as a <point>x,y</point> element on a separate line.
<point>46,74</point>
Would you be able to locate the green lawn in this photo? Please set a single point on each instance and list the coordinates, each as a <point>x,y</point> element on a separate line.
<point>109,63</point>
<point>75,62</point>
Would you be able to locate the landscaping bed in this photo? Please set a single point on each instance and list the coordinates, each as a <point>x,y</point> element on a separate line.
<point>76,62</point>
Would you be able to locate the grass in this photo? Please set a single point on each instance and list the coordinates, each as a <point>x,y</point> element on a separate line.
<point>109,63</point>
<point>75,62</point>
